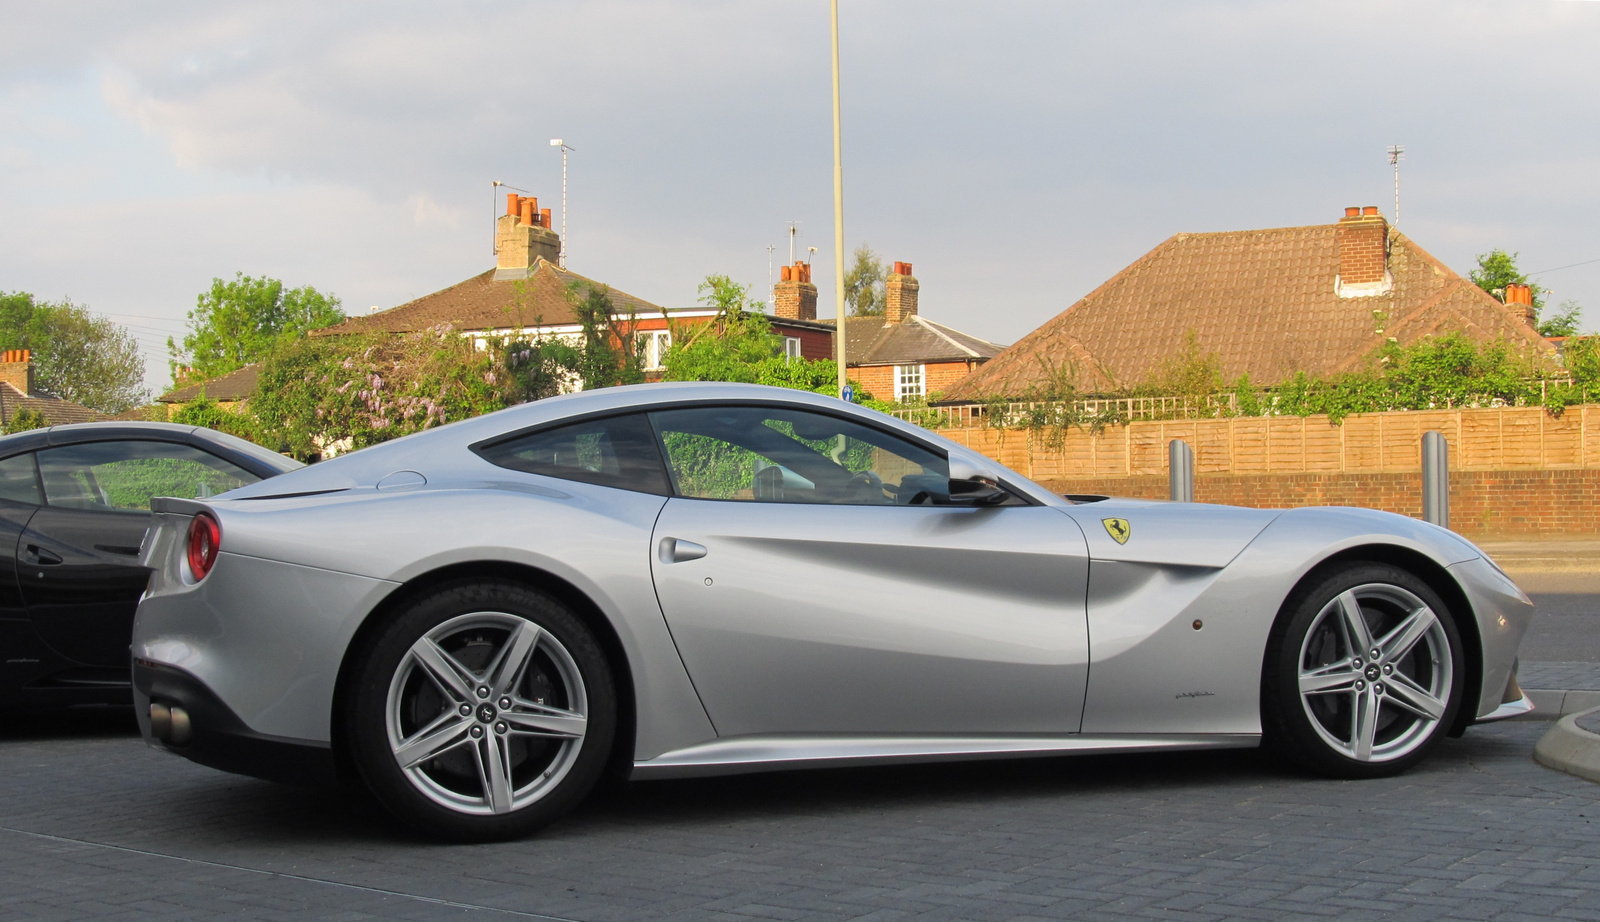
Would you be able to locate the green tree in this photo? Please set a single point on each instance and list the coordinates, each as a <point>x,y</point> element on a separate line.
<point>76,355</point>
<point>1497,269</point>
<point>863,284</point>
<point>26,419</point>
<point>738,345</point>
<point>607,355</point>
<point>236,323</point>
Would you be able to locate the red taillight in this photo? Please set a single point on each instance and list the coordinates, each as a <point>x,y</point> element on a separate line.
<point>204,538</point>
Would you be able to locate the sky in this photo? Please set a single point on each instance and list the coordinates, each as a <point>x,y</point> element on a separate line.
<point>1018,154</point>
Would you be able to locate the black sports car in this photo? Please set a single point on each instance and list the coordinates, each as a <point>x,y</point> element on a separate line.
<point>74,506</point>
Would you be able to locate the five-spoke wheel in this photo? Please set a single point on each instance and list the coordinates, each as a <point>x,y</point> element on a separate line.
<point>1362,674</point>
<point>482,711</point>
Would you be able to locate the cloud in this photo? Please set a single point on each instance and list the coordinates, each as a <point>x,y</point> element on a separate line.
<point>1018,153</point>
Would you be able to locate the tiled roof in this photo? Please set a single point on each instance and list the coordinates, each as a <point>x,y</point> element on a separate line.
<point>54,409</point>
<point>874,341</point>
<point>1263,301</point>
<point>485,303</point>
<point>235,385</point>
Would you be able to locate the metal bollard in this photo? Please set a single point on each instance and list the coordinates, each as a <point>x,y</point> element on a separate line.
<point>1180,471</point>
<point>1435,479</point>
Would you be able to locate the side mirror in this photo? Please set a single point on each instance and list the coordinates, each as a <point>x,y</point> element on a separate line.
<point>971,485</point>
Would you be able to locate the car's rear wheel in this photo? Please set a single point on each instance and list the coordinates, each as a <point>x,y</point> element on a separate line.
<point>481,711</point>
<point>1363,673</point>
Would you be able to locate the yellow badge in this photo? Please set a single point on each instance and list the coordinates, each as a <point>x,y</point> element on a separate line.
<point>1118,529</point>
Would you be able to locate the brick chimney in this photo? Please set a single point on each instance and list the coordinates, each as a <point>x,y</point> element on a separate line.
<point>900,294</point>
<point>522,236</point>
<point>1522,296</point>
<point>1363,237</point>
<point>794,297</point>
<point>16,369</point>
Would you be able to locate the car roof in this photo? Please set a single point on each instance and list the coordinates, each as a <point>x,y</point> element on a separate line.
<point>254,458</point>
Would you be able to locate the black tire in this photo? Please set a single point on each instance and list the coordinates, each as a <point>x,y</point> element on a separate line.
<point>1311,645</point>
<point>528,723</point>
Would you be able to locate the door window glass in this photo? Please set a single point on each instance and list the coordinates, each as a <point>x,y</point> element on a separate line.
<point>18,482</point>
<point>128,474</point>
<point>782,455</point>
<point>617,451</point>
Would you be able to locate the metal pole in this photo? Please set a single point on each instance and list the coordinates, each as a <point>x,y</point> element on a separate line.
<point>1435,479</point>
<point>1180,471</point>
<point>561,255</point>
<point>838,217</point>
<point>1396,154</point>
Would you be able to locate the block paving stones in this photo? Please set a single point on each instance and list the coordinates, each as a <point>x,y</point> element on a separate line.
<point>94,824</point>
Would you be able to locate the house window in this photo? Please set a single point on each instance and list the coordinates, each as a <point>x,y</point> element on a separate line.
<point>909,382</point>
<point>791,348</point>
<point>652,346</point>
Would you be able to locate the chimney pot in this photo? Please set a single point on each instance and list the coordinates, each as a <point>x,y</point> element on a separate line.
<point>544,218</point>
<point>511,203</point>
<point>1353,211</point>
<point>526,216</point>
<point>1369,211</point>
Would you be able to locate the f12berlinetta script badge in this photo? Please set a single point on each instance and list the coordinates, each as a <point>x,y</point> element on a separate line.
<point>1118,529</point>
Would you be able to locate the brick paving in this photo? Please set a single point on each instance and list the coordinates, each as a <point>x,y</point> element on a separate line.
<point>93,823</point>
<point>1572,676</point>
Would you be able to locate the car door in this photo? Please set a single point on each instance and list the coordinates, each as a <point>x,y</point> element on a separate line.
<point>817,580</point>
<point>19,500</point>
<point>78,557</point>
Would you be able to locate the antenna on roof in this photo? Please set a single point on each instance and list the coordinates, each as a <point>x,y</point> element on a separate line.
<point>1396,154</point>
<point>794,228</point>
<point>772,291</point>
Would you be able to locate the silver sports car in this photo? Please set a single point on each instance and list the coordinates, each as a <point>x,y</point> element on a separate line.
<point>695,579</point>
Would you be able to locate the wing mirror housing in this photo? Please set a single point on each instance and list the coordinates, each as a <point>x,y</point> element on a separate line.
<point>972,485</point>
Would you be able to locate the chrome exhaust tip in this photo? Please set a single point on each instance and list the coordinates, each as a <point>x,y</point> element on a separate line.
<point>170,724</point>
<point>160,721</point>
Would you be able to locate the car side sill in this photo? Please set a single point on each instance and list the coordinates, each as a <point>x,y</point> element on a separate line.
<point>739,755</point>
<point>1509,709</point>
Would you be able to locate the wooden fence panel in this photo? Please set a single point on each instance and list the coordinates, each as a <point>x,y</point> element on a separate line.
<point>1488,439</point>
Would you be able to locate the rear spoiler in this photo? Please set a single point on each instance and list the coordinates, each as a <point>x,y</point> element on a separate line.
<point>178,506</point>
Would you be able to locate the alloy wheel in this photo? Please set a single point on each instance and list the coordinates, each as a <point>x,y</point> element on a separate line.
<point>486,713</point>
<point>1375,672</point>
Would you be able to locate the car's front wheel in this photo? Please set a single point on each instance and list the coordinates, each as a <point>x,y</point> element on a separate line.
<point>1363,673</point>
<point>482,710</point>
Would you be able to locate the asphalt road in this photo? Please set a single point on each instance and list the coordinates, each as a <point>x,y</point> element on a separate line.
<point>94,824</point>
<point>1566,621</point>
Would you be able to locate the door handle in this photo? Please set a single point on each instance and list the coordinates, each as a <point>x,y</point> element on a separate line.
<point>43,557</point>
<point>677,550</point>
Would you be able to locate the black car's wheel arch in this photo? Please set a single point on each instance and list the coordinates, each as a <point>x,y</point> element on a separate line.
<point>1440,581</point>
<point>569,595</point>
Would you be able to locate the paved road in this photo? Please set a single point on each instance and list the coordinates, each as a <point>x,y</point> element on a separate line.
<point>1566,623</point>
<point>92,823</point>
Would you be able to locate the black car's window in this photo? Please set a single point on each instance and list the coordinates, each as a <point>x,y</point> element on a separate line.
<point>617,451</point>
<point>18,482</point>
<point>127,474</point>
<point>782,455</point>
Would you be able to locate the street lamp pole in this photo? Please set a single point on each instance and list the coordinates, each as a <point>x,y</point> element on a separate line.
<point>561,257</point>
<point>838,218</point>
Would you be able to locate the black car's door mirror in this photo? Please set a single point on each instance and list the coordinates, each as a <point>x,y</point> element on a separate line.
<point>971,485</point>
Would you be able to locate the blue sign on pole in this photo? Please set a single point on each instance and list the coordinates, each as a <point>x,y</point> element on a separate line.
<point>848,395</point>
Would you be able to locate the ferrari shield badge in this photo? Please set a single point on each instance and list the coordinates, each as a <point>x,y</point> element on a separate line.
<point>1118,529</point>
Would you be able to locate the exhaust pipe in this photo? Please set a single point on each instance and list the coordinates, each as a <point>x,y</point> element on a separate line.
<point>170,724</point>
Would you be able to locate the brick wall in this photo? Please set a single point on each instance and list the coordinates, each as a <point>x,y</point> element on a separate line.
<point>1514,471</point>
<point>1483,504</point>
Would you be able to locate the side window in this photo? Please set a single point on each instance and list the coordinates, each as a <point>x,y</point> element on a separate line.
<point>18,481</point>
<point>128,474</point>
<point>618,451</point>
<point>781,455</point>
